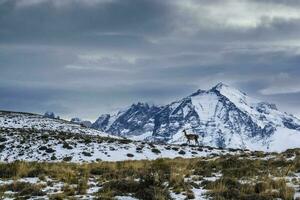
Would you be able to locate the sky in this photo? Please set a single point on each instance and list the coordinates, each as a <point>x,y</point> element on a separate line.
<point>89,57</point>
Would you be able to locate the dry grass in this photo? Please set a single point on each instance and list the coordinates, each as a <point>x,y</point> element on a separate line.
<point>243,177</point>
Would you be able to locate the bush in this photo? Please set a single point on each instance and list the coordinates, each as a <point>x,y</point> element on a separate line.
<point>68,190</point>
<point>181,152</point>
<point>67,146</point>
<point>130,155</point>
<point>88,154</point>
<point>53,157</point>
<point>50,150</point>
<point>3,139</point>
<point>67,158</point>
<point>156,151</point>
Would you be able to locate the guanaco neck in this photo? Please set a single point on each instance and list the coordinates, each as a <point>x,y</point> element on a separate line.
<point>184,132</point>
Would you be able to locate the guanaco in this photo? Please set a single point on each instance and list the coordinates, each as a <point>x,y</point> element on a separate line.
<point>190,137</point>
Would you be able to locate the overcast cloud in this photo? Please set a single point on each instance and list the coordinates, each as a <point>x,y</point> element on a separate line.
<point>88,57</point>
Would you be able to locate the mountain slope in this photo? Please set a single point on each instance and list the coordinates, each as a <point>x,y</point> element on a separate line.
<point>29,121</point>
<point>32,137</point>
<point>221,116</point>
<point>135,122</point>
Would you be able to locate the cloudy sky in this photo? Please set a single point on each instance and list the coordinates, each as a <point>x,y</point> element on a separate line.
<point>87,57</point>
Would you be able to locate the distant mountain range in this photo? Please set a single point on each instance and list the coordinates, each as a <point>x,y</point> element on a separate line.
<point>222,116</point>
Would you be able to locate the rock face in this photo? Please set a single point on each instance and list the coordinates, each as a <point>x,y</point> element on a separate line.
<point>222,117</point>
<point>137,120</point>
<point>50,115</point>
<point>81,122</point>
<point>102,122</point>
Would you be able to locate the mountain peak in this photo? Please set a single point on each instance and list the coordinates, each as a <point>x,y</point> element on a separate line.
<point>140,105</point>
<point>144,105</point>
<point>231,92</point>
<point>223,89</point>
<point>220,85</point>
<point>197,92</point>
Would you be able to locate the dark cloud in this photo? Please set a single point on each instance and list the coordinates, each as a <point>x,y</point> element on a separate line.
<point>86,57</point>
<point>103,23</point>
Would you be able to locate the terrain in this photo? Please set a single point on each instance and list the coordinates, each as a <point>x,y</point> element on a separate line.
<point>45,157</point>
<point>32,137</point>
<point>222,117</point>
<point>247,176</point>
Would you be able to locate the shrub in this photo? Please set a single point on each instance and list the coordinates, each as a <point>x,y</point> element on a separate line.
<point>67,146</point>
<point>43,148</point>
<point>156,151</point>
<point>53,157</point>
<point>68,190</point>
<point>3,139</point>
<point>67,158</point>
<point>88,154</point>
<point>2,147</point>
<point>129,155</point>
<point>50,150</point>
<point>181,152</point>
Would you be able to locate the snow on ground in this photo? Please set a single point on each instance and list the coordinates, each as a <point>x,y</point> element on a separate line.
<point>80,149</point>
<point>125,198</point>
<point>32,137</point>
<point>199,193</point>
<point>141,137</point>
<point>38,122</point>
<point>294,183</point>
<point>177,196</point>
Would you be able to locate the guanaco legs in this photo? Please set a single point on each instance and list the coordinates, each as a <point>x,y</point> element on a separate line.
<point>190,137</point>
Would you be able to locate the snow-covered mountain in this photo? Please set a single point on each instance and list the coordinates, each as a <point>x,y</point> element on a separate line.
<point>222,117</point>
<point>84,123</point>
<point>136,120</point>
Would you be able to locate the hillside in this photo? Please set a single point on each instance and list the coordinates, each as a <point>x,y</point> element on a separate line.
<point>30,121</point>
<point>32,137</point>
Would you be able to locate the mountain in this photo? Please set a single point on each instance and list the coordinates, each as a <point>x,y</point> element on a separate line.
<point>136,120</point>
<point>50,115</point>
<point>84,123</point>
<point>222,116</point>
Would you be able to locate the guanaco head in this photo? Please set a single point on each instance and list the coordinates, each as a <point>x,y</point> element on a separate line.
<point>184,131</point>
